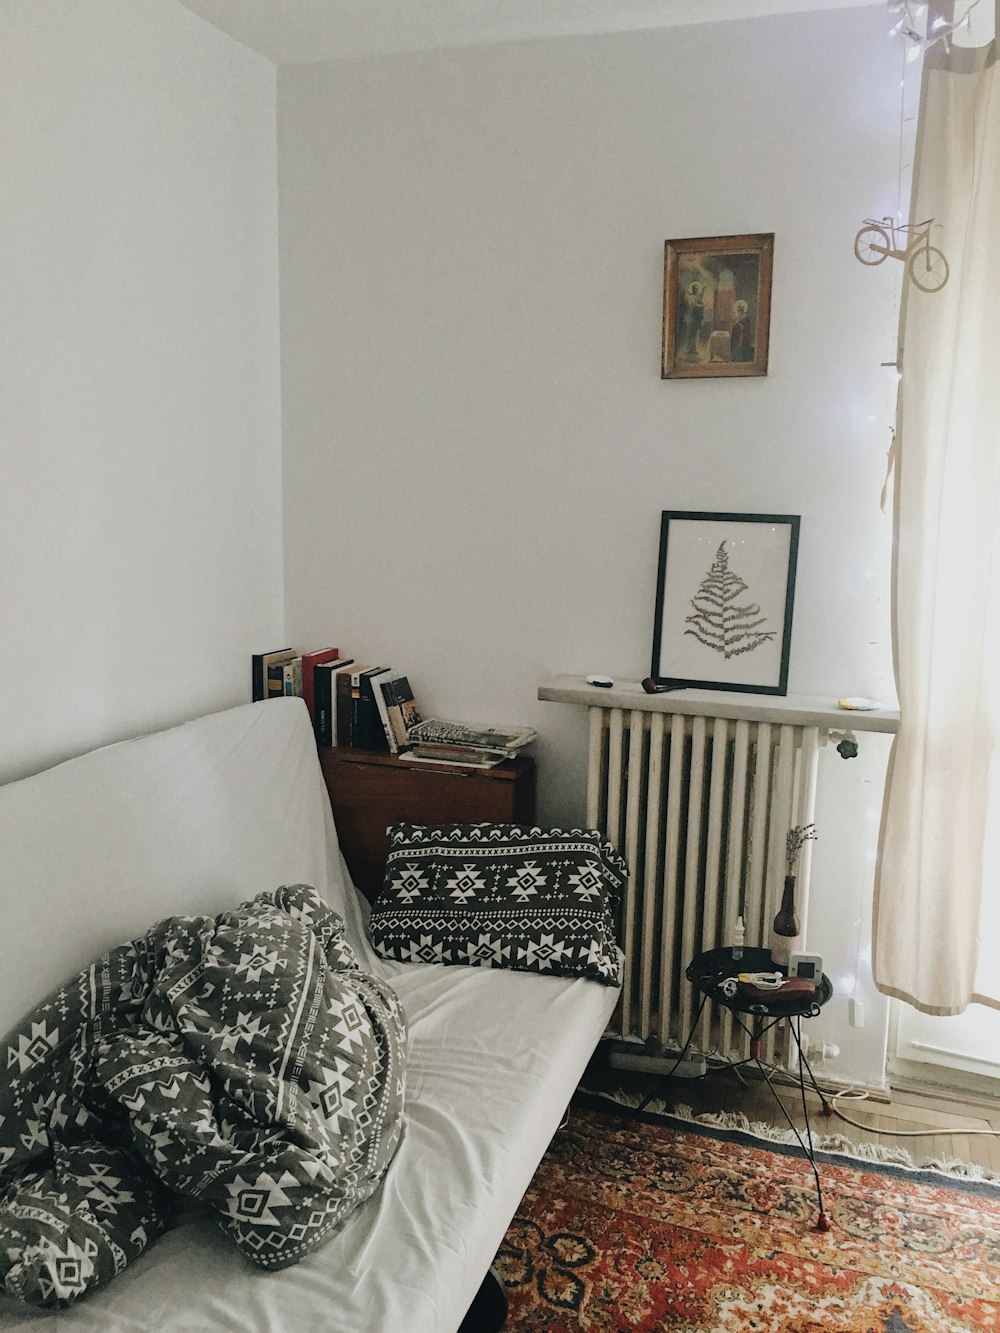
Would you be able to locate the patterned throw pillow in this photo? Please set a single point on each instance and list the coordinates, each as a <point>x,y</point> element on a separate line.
<point>501,895</point>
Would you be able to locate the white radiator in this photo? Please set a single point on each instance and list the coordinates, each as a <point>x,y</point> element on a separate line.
<point>698,789</point>
<point>700,807</point>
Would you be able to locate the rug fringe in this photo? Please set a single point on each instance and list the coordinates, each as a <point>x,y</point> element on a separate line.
<point>829,1143</point>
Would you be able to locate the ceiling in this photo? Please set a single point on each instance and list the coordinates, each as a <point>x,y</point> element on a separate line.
<point>301,31</point>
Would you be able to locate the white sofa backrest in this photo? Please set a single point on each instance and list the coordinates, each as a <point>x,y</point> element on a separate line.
<point>191,820</point>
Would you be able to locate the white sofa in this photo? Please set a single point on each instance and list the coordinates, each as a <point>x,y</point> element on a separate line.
<point>195,820</point>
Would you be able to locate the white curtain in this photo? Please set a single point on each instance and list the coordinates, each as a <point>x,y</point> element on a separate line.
<point>937,901</point>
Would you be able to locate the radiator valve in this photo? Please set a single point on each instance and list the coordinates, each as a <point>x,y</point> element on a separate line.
<point>819,1050</point>
<point>848,746</point>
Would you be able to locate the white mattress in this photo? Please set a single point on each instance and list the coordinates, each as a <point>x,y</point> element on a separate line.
<point>199,818</point>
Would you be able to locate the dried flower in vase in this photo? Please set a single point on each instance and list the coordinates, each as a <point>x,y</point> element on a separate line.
<point>794,842</point>
<point>786,935</point>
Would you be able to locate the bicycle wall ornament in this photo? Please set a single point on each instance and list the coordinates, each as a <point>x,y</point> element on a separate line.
<point>885,238</point>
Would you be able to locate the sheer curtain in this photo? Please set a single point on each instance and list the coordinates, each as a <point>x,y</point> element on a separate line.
<point>937,901</point>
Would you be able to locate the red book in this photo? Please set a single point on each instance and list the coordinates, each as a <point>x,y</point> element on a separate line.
<point>309,663</point>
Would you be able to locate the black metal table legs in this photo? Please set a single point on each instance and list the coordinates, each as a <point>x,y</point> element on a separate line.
<point>756,1033</point>
<point>756,1029</point>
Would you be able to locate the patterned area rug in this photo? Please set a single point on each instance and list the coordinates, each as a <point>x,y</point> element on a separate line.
<point>655,1223</point>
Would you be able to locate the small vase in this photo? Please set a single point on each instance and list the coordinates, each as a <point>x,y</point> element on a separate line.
<point>786,933</point>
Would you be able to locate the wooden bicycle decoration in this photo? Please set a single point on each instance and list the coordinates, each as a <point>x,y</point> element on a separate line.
<point>882,238</point>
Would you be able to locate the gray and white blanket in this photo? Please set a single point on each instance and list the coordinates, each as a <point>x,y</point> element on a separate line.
<point>243,1060</point>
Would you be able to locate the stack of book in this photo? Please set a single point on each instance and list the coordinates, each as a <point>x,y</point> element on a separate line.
<point>285,671</point>
<point>373,708</point>
<point>345,706</point>
<point>272,670</point>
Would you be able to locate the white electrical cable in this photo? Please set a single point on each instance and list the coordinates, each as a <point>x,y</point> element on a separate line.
<point>860,1095</point>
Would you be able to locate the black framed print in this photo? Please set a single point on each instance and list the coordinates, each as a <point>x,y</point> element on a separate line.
<point>724,592</point>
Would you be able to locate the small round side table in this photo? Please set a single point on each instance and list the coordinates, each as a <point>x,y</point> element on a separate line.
<point>756,1017</point>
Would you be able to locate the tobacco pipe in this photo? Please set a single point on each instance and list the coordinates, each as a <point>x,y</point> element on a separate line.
<point>652,686</point>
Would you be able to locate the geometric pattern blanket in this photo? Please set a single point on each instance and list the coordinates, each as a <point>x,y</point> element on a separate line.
<point>242,1060</point>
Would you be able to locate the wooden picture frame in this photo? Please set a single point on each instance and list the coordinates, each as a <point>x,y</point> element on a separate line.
<point>724,594</point>
<point>717,306</point>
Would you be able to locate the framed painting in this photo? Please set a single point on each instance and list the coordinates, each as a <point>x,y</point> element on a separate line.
<point>717,306</point>
<point>724,592</point>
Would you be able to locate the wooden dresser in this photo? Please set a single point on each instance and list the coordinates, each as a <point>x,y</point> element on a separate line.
<point>370,790</point>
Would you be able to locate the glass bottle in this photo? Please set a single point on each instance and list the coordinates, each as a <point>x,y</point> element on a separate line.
<point>786,933</point>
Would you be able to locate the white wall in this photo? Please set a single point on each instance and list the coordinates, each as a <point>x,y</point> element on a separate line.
<point>140,464</point>
<point>477,441</point>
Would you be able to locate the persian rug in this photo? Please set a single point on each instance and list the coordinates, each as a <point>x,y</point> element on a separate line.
<point>655,1222</point>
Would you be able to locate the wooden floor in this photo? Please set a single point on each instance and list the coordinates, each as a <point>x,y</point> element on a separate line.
<point>950,1119</point>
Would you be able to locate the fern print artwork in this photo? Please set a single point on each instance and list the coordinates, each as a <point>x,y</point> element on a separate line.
<point>720,620</point>
<point>725,585</point>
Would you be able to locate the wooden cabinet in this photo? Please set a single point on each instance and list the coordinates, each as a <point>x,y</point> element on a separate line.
<point>369,791</point>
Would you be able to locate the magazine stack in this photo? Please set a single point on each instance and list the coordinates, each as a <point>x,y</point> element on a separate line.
<point>436,741</point>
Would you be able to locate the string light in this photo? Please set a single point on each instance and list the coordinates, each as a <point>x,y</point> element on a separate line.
<point>908,24</point>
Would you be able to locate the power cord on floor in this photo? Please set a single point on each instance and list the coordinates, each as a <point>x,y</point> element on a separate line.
<point>851,1094</point>
<point>860,1095</point>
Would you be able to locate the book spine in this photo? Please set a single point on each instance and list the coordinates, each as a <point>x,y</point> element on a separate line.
<point>275,680</point>
<point>310,663</point>
<point>328,678</point>
<point>322,680</point>
<point>291,678</point>
<point>367,724</point>
<point>356,711</point>
<point>381,689</point>
<point>397,694</point>
<point>343,708</point>
<point>257,686</point>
